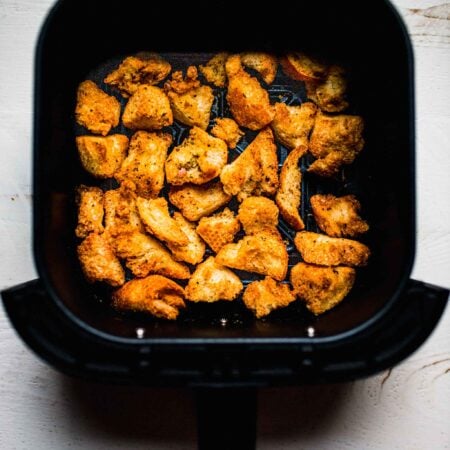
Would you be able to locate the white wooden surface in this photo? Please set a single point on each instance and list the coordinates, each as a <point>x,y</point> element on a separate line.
<point>408,408</point>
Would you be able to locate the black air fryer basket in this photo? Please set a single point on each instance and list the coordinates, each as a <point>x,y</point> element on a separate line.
<point>385,318</point>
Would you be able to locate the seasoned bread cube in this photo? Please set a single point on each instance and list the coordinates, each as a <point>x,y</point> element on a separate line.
<point>323,250</point>
<point>144,165</point>
<point>96,110</point>
<point>191,103</point>
<point>264,63</point>
<point>227,130</point>
<point>293,124</point>
<point>198,159</point>
<point>214,70</point>
<point>289,194</point>
<point>147,109</point>
<point>219,229</point>
<point>144,254</point>
<point>249,102</point>
<point>255,170</point>
<point>102,156</point>
<point>263,253</point>
<point>338,216</point>
<point>262,297</point>
<point>195,202</point>
<point>258,214</point>
<point>142,69</point>
<point>321,288</point>
<point>300,66</point>
<point>157,295</point>
<point>98,261</point>
<point>212,282</point>
<point>90,211</point>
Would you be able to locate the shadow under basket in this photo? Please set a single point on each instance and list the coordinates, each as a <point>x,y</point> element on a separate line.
<point>220,349</point>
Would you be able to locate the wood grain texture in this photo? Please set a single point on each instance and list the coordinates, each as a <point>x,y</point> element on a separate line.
<point>406,408</point>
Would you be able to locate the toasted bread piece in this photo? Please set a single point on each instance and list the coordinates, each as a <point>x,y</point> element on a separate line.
<point>214,70</point>
<point>323,250</point>
<point>329,94</point>
<point>337,140</point>
<point>191,103</point>
<point>322,288</point>
<point>195,202</point>
<point>90,211</point>
<point>219,229</point>
<point>262,297</point>
<point>144,254</point>
<point>120,210</point>
<point>338,216</point>
<point>264,63</point>
<point>98,261</point>
<point>212,282</point>
<point>155,216</point>
<point>300,66</point>
<point>263,253</point>
<point>194,250</point>
<point>227,130</point>
<point>144,165</point>
<point>142,69</point>
<point>292,124</point>
<point>258,214</point>
<point>289,194</point>
<point>96,110</point>
<point>249,102</point>
<point>255,170</point>
<point>198,159</point>
<point>157,295</point>
<point>102,156</point>
<point>147,109</point>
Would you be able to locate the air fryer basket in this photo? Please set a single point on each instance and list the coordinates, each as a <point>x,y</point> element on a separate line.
<point>386,316</point>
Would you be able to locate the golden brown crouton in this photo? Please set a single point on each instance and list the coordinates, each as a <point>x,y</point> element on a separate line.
<point>323,250</point>
<point>322,288</point>
<point>330,93</point>
<point>249,102</point>
<point>195,202</point>
<point>144,254</point>
<point>263,253</point>
<point>155,216</point>
<point>303,67</point>
<point>214,70</point>
<point>258,214</point>
<point>219,229</point>
<point>255,170</point>
<point>90,211</point>
<point>227,130</point>
<point>147,109</point>
<point>289,194</point>
<point>336,140</point>
<point>262,297</point>
<point>157,295</point>
<point>134,71</point>
<point>194,250</point>
<point>198,159</point>
<point>338,216</point>
<point>264,63</point>
<point>98,261</point>
<point>102,156</point>
<point>191,103</point>
<point>292,124</point>
<point>144,165</point>
<point>212,282</point>
<point>96,110</point>
<point>120,210</point>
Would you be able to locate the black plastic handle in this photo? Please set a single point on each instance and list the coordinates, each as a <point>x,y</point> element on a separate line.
<point>226,418</point>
